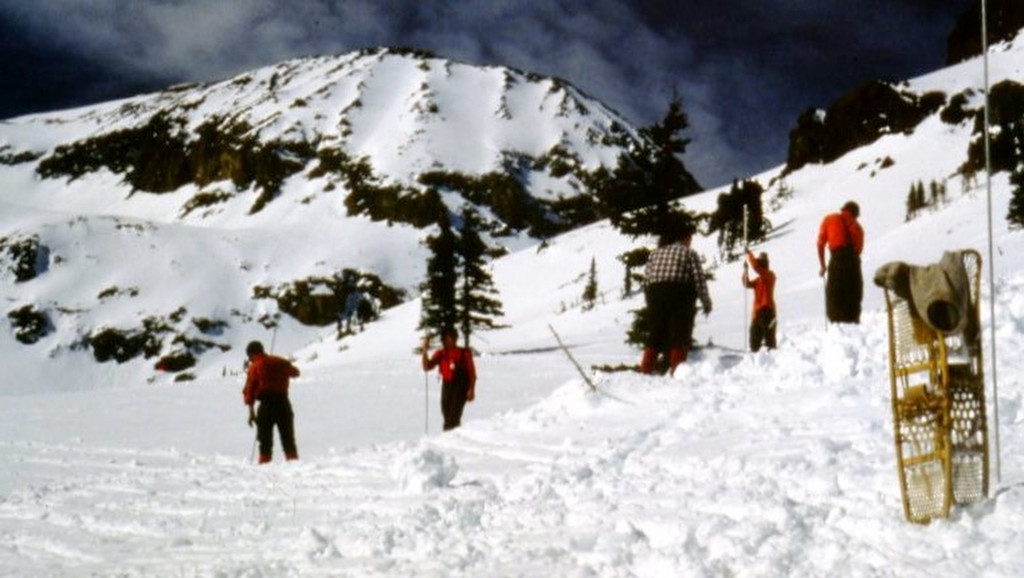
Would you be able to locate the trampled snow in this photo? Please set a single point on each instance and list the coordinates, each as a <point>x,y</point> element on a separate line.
<point>744,464</point>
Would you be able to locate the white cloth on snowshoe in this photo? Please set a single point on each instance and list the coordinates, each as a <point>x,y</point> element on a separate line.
<point>939,294</point>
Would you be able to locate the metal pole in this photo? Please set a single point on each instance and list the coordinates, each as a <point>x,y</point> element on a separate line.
<point>746,329</point>
<point>991,250</point>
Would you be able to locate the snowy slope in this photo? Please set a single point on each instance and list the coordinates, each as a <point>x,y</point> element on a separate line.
<point>769,464</point>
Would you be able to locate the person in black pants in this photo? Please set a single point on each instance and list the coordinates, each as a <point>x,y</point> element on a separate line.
<point>267,380</point>
<point>674,281</point>
<point>844,286</point>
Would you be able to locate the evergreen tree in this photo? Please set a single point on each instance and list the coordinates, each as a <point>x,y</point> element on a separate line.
<point>911,203</point>
<point>633,259</point>
<point>916,200</point>
<point>590,290</point>
<point>477,304</point>
<point>439,290</point>
<point>1015,216</point>
<point>636,196</point>
<point>756,226</point>
<point>938,194</point>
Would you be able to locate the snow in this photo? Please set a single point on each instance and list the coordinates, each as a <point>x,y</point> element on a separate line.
<point>744,464</point>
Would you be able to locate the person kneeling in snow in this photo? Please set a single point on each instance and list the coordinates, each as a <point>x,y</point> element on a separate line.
<point>267,381</point>
<point>458,375</point>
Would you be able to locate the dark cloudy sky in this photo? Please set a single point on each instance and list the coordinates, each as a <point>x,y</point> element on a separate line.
<point>745,68</point>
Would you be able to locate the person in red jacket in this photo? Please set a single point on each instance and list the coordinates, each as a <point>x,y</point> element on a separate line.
<point>762,327</point>
<point>844,286</point>
<point>458,375</point>
<point>267,381</point>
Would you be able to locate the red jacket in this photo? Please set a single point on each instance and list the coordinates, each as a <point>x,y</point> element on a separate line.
<point>446,359</point>
<point>839,230</point>
<point>267,374</point>
<point>763,286</point>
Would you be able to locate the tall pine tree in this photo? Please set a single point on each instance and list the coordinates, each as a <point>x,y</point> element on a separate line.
<point>439,289</point>
<point>590,290</point>
<point>477,304</point>
<point>459,291</point>
<point>636,197</point>
<point>1015,216</point>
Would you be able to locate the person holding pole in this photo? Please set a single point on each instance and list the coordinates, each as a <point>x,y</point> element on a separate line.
<point>458,375</point>
<point>762,326</point>
<point>267,380</point>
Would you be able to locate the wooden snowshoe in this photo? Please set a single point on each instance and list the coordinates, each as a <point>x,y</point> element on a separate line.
<point>938,406</point>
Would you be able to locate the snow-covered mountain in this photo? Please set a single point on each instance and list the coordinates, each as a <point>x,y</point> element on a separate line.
<point>346,157</point>
<point>770,464</point>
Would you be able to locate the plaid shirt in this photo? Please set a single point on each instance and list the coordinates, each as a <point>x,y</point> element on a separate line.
<point>677,263</point>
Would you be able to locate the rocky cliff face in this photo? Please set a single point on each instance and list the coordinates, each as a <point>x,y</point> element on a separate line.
<point>856,119</point>
<point>877,108</point>
<point>1005,19</point>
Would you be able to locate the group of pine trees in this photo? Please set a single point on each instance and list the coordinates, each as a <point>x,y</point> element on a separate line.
<point>739,219</point>
<point>918,199</point>
<point>459,291</point>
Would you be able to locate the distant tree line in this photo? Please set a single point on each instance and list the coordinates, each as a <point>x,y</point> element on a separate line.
<point>919,198</point>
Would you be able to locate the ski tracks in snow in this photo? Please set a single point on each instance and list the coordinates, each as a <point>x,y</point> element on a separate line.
<point>767,464</point>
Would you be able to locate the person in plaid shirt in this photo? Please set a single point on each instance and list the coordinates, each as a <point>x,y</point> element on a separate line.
<point>673,282</point>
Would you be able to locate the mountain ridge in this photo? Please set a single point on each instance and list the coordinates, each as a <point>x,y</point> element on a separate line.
<point>393,109</point>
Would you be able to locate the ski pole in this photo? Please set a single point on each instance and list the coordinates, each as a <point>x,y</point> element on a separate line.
<point>252,456</point>
<point>746,330</point>
<point>746,279</point>
<point>824,287</point>
<point>426,404</point>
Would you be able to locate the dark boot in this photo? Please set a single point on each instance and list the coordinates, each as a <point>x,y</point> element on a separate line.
<point>265,458</point>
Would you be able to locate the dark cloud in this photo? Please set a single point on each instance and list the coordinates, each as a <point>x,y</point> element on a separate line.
<point>745,69</point>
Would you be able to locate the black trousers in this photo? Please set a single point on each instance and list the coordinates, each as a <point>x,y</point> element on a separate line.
<point>844,287</point>
<point>762,329</point>
<point>671,311</point>
<point>276,410</point>
<point>453,401</point>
